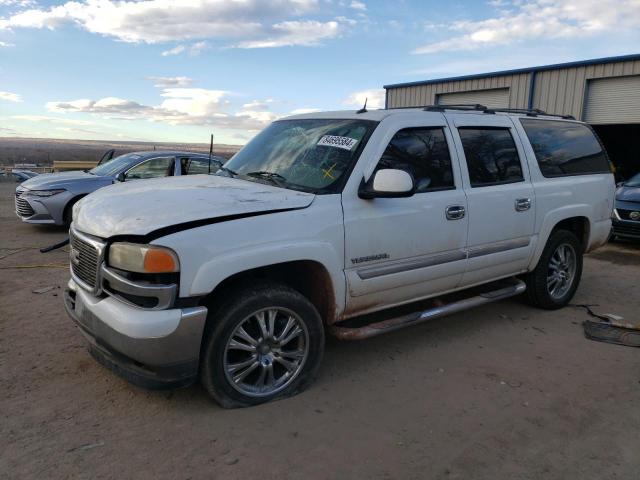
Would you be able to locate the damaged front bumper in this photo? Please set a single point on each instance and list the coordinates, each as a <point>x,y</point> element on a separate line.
<point>150,348</point>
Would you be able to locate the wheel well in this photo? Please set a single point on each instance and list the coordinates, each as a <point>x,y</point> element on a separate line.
<point>579,226</point>
<point>308,277</point>
<point>69,206</point>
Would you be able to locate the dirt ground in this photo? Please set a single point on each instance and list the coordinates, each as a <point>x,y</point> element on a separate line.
<point>501,392</point>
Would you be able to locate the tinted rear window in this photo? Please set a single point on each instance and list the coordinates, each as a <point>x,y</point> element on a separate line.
<point>565,148</point>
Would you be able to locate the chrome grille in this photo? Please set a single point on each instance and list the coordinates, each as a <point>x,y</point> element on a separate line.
<point>85,256</point>
<point>23,208</point>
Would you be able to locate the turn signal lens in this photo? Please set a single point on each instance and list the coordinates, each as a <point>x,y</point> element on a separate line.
<point>133,257</point>
<point>160,261</point>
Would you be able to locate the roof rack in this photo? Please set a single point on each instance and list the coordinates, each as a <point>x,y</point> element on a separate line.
<point>534,112</point>
<point>461,106</point>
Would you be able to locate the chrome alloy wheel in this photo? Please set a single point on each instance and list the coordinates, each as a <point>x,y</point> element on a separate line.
<point>266,352</point>
<point>562,271</point>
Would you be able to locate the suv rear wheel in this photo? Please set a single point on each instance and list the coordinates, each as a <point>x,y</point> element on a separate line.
<point>556,277</point>
<point>264,343</point>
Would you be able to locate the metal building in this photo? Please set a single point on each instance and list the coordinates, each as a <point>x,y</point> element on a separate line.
<point>604,92</point>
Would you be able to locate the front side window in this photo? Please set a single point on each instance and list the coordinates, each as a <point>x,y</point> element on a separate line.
<point>154,168</point>
<point>492,156</point>
<point>424,153</point>
<point>196,166</point>
<point>565,148</point>
<point>312,155</point>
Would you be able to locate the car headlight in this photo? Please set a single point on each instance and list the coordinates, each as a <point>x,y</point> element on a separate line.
<point>134,257</point>
<point>43,193</point>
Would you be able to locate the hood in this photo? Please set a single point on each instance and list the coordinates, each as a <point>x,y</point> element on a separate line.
<point>628,194</point>
<point>50,181</point>
<point>143,207</point>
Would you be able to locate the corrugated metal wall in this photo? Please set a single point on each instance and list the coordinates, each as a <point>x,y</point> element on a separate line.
<point>421,95</point>
<point>563,91</point>
<point>560,91</point>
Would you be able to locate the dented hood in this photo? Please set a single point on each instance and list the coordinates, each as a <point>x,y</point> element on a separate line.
<point>144,207</point>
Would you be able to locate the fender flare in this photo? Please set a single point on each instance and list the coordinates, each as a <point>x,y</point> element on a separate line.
<point>551,219</point>
<point>213,272</point>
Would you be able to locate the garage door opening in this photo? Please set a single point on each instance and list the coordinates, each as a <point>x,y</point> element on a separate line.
<point>622,142</point>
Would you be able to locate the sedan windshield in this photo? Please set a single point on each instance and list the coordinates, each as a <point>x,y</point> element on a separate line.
<point>310,155</point>
<point>115,165</point>
<point>633,181</point>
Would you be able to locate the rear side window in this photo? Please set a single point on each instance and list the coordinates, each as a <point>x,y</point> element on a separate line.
<point>565,148</point>
<point>424,153</point>
<point>195,166</point>
<point>492,156</point>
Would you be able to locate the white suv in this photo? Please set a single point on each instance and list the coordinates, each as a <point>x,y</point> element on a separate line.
<point>349,223</point>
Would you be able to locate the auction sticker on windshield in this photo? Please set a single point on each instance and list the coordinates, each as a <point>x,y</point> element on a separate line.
<point>345,143</point>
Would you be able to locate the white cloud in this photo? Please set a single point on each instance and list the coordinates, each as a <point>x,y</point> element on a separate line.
<point>179,106</point>
<point>46,119</point>
<point>19,3</point>
<point>356,5</point>
<point>5,44</point>
<point>246,23</point>
<point>540,19</point>
<point>374,96</point>
<point>163,82</point>
<point>10,97</point>
<point>307,33</point>
<point>174,51</point>
<point>197,48</point>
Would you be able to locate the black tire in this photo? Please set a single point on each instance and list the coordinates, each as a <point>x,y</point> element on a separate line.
<point>537,293</point>
<point>68,211</point>
<point>240,306</point>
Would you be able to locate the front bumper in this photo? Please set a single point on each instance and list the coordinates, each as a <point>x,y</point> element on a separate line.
<point>149,348</point>
<point>41,210</point>
<point>625,228</point>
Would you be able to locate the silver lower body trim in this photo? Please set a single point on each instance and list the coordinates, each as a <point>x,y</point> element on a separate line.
<point>441,258</point>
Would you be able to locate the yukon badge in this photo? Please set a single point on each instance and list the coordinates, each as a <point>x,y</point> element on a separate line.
<point>370,258</point>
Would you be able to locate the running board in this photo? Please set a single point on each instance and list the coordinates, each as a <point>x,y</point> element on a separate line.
<point>439,309</point>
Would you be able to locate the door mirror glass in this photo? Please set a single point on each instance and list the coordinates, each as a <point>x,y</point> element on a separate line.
<point>120,177</point>
<point>388,183</point>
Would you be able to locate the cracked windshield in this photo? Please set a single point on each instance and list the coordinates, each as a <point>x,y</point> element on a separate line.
<point>308,155</point>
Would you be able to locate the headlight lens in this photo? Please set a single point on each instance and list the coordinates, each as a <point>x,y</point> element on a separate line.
<point>43,193</point>
<point>134,257</point>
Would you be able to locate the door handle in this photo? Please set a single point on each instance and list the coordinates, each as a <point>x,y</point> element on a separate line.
<point>455,212</point>
<point>523,204</point>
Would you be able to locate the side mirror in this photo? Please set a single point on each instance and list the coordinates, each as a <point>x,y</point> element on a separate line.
<point>120,177</point>
<point>619,184</point>
<point>388,183</point>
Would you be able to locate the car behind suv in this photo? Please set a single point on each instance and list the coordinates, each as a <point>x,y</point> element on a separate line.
<point>49,198</point>
<point>347,223</point>
<point>626,215</point>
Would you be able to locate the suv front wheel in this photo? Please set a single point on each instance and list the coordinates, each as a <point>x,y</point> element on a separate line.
<point>265,342</point>
<point>552,284</point>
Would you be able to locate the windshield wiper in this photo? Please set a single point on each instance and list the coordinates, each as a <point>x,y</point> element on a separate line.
<point>228,170</point>
<point>275,178</point>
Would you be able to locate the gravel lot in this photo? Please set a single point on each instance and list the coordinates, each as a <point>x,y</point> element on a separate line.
<point>501,392</point>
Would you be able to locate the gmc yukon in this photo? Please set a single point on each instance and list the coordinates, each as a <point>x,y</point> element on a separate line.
<point>344,223</point>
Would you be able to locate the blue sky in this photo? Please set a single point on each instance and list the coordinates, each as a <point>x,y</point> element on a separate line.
<point>168,70</point>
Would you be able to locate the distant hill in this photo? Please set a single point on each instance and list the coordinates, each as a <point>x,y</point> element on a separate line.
<point>44,151</point>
